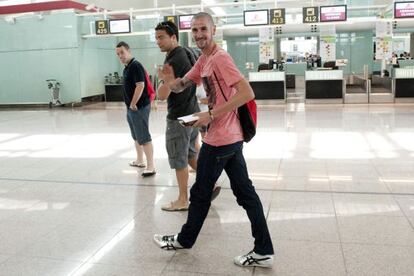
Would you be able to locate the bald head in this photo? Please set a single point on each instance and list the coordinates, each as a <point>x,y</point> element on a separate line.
<point>204,15</point>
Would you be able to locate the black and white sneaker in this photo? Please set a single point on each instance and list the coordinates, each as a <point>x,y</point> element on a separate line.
<point>167,242</point>
<point>254,259</point>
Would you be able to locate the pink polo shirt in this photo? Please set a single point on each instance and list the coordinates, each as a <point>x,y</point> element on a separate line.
<point>224,129</point>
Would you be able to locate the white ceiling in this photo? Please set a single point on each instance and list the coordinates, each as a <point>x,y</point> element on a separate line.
<point>289,4</point>
<point>142,4</point>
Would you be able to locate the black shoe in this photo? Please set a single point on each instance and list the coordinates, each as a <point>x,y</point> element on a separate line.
<point>147,173</point>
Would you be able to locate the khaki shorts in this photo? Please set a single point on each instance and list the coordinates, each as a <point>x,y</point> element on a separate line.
<point>180,143</point>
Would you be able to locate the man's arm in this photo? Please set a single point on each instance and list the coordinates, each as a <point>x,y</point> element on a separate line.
<point>179,84</point>
<point>137,95</point>
<point>175,85</point>
<point>243,95</point>
<point>163,92</point>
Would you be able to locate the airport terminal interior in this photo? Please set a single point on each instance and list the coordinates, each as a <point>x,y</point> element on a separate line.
<point>332,160</point>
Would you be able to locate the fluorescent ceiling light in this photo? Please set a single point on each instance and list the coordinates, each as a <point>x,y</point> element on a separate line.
<point>147,16</point>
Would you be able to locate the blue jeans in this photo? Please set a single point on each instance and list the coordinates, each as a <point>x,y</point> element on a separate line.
<point>210,165</point>
<point>138,124</point>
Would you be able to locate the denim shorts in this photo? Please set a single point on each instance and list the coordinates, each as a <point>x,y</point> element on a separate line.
<point>180,143</point>
<point>138,124</point>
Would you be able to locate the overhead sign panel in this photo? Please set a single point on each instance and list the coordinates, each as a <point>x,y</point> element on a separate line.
<point>256,17</point>
<point>172,18</point>
<point>310,15</point>
<point>119,26</point>
<point>101,27</point>
<point>277,16</point>
<point>333,13</point>
<point>404,9</point>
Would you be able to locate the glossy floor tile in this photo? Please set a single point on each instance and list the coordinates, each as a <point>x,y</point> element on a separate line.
<point>336,184</point>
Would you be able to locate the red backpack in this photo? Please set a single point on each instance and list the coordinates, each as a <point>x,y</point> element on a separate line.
<point>150,88</point>
<point>247,114</point>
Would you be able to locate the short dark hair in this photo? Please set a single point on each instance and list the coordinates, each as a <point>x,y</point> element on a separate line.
<point>169,27</point>
<point>122,44</point>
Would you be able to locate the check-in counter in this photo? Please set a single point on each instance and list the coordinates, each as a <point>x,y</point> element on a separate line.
<point>406,63</point>
<point>357,89</point>
<point>404,85</point>
<point>268,85</point>
<point>298,69</point>
<point>324,86</point>
<point>382,90</point>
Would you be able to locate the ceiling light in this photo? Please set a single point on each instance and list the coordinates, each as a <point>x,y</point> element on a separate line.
<point>147,16</point>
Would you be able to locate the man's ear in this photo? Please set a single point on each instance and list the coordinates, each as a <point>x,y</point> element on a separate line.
<point>214,29</point>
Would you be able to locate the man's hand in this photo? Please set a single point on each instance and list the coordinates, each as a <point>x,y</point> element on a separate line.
<point>203,119</point>
<point>133,107</point>
<point>166,74</point>
<point>176,85</point>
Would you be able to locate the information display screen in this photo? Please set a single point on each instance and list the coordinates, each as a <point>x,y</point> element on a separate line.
<point>256,17</point>
<point>119,26</point>
<point>404,9</point>
<point>185,21</point>
<point>333,13</point>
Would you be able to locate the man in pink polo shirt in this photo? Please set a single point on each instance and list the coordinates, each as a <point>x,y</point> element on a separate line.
<point>222,145</point>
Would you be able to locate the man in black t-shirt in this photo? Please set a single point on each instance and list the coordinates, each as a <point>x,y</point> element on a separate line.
<point>138,106</point>
<point>180,141</point>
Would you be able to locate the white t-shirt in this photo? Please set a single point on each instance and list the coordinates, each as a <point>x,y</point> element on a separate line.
<point>201,94</point>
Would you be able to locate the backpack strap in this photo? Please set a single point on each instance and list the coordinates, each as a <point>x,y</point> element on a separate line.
<point>222,93</point>
<point>191,55</point>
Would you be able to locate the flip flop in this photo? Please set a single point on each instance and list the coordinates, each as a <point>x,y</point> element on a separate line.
<point>147,173</point>
<point>170,208</point>
<point>138,165</point>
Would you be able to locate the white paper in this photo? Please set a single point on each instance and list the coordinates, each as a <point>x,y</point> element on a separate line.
<point>188,118</point>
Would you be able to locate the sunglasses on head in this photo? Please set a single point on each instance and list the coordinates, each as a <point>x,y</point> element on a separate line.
<point>165,24</point>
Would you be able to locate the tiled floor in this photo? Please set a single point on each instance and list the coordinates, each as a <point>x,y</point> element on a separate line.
<point>336,182</point>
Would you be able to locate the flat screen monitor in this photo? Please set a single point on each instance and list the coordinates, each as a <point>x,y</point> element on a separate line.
<point>119,26</point>
<point>185,21</point>
<point>256,17</point>
<point>333,13</point>
<point>404,9</point>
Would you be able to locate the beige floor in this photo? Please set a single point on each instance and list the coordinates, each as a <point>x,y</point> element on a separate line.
<point>336,182</point>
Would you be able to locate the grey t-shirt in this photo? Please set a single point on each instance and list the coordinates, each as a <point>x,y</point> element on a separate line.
<point>184,103</point>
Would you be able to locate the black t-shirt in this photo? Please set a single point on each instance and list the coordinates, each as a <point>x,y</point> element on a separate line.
<point>184,103</point>
<point>134,72</point>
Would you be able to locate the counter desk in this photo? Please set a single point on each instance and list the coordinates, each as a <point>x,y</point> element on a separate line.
<point>268,85</point>
<point>324,86</point>
<point>404,85</point>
